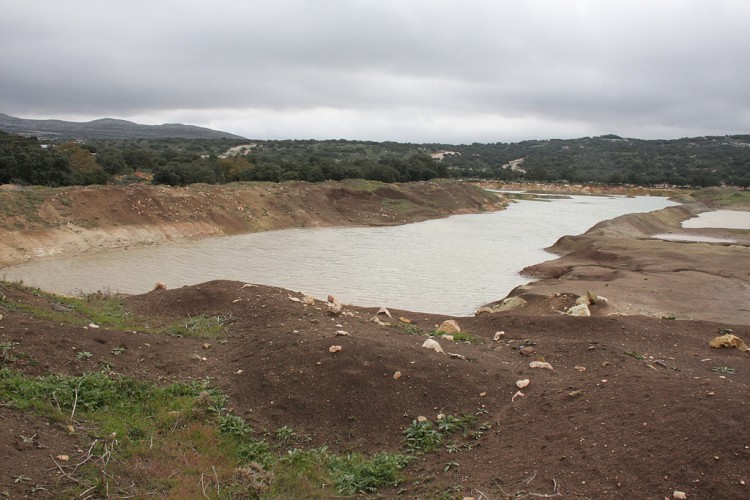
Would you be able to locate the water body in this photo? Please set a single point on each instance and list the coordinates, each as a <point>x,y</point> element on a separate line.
<point>723,219</point>
<point>449,266</point>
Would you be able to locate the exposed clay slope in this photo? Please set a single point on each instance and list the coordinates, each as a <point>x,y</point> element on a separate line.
<point>38,222</point>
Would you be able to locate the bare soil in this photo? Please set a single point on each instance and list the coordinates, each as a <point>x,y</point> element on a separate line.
<point>636,406</point>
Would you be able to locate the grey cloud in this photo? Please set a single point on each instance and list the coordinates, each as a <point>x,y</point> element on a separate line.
<point>579,66</point>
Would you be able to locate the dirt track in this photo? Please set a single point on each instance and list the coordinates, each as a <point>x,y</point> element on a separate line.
<point>634,407</point>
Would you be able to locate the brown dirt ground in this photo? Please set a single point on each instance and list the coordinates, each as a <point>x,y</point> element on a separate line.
<point>602,424</point>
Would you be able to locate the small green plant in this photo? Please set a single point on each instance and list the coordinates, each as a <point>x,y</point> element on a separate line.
<point>422,437</point>
<point>234,425</point>
<point>5,352</point>
<point>284,434</point>
<point>83,355</point>
<point>449,466</point>
<point>200,326</point>
<point>724,370</point>
<point>452,448</point>
<point>410,328</point>
<point>118,350</point>
<point>459,337</point>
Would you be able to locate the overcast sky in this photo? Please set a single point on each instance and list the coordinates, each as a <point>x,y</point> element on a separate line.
<point>405,70</point>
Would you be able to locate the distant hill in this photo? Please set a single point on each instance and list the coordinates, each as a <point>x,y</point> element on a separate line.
<point>106,128</point>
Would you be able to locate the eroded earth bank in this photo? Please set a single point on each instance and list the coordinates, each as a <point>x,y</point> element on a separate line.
<point>280,394</point>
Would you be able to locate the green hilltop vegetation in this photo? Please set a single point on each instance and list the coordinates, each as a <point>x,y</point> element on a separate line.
<point>608,159</point>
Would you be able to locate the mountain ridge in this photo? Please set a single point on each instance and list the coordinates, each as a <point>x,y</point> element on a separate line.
<point>106,128</point>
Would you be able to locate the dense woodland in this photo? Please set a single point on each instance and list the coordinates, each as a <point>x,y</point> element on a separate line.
<point>695,162</point>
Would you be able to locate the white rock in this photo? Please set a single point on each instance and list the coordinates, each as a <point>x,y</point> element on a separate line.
<point>579,310</point>
<point>521,384</point>
<point>385,311</point>
<point>396,375</point>
<point>342,333</point>
<point>309,300</point>
<point>93,325</point>
<point>421,418</point>
<point>679,495</point>
<point>375,319</point>
<point>540,364</point>
<point>432,344</point>
<point>160,286</point>
<point>449,326</point>
<point>446,337</point>
<point>498,336</point>
<point>518,394</point>
<point>295,299</point>
<point>334,348</point>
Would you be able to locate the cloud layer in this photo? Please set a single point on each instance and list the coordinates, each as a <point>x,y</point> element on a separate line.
<point>419,71</point>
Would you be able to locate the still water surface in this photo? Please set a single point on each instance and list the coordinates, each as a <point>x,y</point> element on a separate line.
<point>447,266</point>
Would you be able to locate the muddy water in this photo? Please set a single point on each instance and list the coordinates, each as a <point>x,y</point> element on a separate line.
<point>448,266</point>
<point>724,219</point>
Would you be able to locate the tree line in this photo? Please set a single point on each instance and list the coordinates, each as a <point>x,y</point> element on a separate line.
<point>696,162</point>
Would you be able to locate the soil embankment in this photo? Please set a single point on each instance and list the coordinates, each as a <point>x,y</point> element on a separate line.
<point>38,222</point>
<point>641,275</point>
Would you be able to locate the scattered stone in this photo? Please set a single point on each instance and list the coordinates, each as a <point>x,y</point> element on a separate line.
<point>70,429</point>
<point>605,364</point>
<point>93,325</point>
<point>440,416</point>
<point>1,317</point>
<point>498,336</point>
<point>522,384</point>
<point>295,299</point>
<point>207,346</point>
<point>447,337</point>
<point>579,368</point>
<point>334,305</point>
<point>198,357</point>
<point>449,326</point>
<point>309,300</point>
<point>729,340</point>
<point>679,495</point>
<point>236,300</point>
<point>160,286</point>
<point>526,350</point>
<point>334,348</point>
<point>248,285</point>
<point>421,419</point>
<point>63,458</point>
<point>593,298</point>
<point>579,310</point>
<point>342,333</point>
<point>375,319</point>
<point>482,394</point>
<point>406,321</point>
<point>518,394</point>
<point>456,356</point>
<point>509,304</point>
<point>396,375</point>
<point>432,344</point>
<point>483,310</point>
<point>238,372</point>
<point>575,394</point>
<point>384,310</point>
<point>540,364</point>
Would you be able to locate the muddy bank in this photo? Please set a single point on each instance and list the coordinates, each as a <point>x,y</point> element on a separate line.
<point>619,259</point>
<point>39,222</point>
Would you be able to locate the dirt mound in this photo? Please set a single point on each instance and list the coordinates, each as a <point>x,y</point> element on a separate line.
<point>633,407</point>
